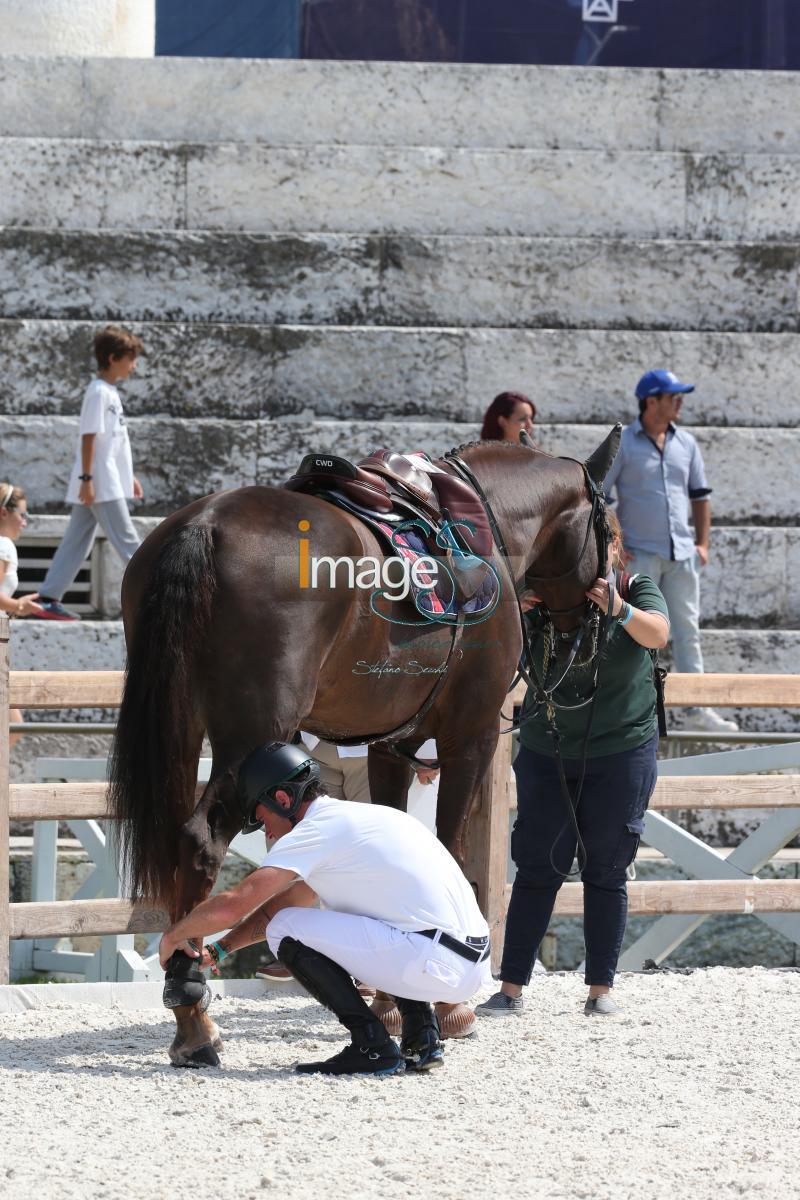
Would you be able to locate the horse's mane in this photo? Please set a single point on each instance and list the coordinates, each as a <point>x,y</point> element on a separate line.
<point>478,442</point>
<point>481,442</point>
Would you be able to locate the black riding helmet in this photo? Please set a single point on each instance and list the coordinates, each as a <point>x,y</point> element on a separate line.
<point>276,764</point>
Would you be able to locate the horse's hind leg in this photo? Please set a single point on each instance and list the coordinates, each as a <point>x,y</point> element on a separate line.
<point>197,1040</point>
<point>203,844</point>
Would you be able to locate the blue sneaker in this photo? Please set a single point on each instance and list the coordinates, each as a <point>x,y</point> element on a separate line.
<point>51,610</point>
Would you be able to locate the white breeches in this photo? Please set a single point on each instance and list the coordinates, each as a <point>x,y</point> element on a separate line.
<point>402,964</point>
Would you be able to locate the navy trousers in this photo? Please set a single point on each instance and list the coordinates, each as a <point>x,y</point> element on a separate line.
<point>616,792</point>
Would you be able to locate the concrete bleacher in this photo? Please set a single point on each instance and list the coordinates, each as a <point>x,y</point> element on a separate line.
<point>338,255</point>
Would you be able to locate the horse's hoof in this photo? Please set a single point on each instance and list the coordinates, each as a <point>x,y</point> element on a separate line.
<point>455,1020</point>
<point>204,1056</point>
<point>388,1012</point>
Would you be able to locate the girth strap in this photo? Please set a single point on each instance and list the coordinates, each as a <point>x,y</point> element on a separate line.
<point>408,727</point>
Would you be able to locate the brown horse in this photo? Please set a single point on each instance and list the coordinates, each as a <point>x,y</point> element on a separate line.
<point>222,641</point>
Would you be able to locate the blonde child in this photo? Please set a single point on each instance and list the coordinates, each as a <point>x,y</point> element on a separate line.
<point>13,519</point>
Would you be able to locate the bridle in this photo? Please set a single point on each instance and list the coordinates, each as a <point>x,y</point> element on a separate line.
<point>544,689</point>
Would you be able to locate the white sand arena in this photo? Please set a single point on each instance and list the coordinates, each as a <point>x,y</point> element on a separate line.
<point>691,1092</point>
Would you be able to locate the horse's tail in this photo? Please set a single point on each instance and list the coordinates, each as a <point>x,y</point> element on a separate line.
<point>154,759</point>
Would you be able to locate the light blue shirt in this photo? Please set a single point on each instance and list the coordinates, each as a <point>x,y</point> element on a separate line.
<point>653,489</point>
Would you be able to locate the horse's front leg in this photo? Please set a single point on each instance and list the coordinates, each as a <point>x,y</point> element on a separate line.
<point>462,773</point>
<point>389,781</point>
<point>389,777</point>
<point>463,770</point>
<point>203,844</point>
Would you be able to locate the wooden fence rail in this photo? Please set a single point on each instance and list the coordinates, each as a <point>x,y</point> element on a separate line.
<point>717,791</point>
<point>77,918</point>
<point>739,691</point>
<point>487,842</point>
<point>62,801</point>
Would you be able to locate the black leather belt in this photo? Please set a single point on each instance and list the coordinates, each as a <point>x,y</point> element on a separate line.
<point>474,949</point>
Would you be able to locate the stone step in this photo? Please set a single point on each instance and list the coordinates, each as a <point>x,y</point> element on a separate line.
<point>79,184</point>
<point>247,371</point>
<point>745,554</point>
<point>755,473</point>
<point>99,646</point>
<point>398,104</point>
<point>439,280</point>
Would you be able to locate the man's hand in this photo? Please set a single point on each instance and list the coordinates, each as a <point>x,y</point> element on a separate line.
<point>426,774</point>
<point>702,554</point>
<point>138,490</point>
<point>207,961</point>
<point>169,944</point>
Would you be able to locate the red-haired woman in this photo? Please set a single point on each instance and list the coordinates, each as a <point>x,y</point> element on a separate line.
<point>507,416</point>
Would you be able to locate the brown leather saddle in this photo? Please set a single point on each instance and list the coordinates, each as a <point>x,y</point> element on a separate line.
<point>387,483</point>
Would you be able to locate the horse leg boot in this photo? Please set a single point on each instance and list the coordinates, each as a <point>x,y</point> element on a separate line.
<point>384,1008</point>
<point>455,1020</point>
<point>371,1050</point>
<point>188,995</point>
<point>420,1046</point>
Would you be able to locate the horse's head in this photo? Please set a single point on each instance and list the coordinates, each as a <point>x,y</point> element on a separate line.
<point>572,546</point>
<point>548,519</point>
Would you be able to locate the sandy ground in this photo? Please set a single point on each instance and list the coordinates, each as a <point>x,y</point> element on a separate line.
<point>691,1092</point>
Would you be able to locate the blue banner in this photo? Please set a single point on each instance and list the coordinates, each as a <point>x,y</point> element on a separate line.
<point>754,34</point>
<point>228,28</point>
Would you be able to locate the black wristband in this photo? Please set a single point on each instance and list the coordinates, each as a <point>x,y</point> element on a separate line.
<point>85,478</point>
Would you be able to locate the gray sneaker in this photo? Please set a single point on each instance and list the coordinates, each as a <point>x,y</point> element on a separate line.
<point>709,721</point>
<point>601,1006</point>
<point>501,1005</point>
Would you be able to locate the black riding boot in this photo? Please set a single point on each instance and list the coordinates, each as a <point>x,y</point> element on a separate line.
<point>372,1051</point>
<point>420,1045</point>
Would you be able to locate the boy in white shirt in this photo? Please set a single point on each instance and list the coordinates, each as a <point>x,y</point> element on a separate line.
<point>102,480</point>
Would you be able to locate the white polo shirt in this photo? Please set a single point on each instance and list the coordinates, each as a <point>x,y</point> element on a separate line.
<point>373,861</point>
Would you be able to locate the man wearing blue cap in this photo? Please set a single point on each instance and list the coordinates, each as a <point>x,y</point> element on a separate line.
<point>656,474</point>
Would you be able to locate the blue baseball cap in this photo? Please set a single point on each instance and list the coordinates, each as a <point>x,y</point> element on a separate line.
<point>655,382</point>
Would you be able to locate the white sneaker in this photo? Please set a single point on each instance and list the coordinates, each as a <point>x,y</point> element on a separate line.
<point>709,720</point>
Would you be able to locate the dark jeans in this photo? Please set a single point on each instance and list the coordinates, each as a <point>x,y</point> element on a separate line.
<point>616,792</point>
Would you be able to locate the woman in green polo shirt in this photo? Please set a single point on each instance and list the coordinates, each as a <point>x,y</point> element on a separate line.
<point>619,780</point>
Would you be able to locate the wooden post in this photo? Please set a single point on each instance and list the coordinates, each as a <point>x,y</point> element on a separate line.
<point>5,917</point>
<point>487,844</point>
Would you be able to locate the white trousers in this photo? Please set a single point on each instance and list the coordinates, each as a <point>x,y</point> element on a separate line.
<point>402,964</point>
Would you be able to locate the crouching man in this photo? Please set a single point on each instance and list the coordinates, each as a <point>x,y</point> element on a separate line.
<point>397,912</point>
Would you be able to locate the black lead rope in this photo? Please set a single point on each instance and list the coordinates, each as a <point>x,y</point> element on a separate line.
<point>573,802</point>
